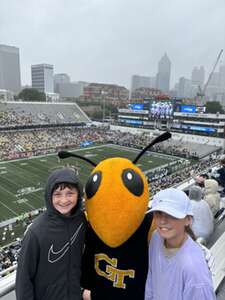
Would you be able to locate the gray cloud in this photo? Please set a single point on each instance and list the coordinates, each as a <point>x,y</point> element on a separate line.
<point>108,41</point>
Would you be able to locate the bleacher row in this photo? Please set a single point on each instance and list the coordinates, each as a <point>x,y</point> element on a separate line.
<point>41,113</point>
<point>188,149</point>
<point>34,113</point>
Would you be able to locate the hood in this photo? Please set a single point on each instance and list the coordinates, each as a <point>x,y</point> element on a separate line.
<point>195,193</point>
<point>211,186</point>
<point>65,175</point>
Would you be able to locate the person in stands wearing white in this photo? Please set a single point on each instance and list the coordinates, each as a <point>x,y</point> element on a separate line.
<point>203,221</point>
<point>177,266</point>
<point>212,196</point>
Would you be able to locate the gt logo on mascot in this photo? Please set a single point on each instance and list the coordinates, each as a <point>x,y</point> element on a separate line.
<point>111,272</point>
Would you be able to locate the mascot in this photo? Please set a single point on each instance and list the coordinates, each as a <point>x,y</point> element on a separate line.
<point>115,261</point>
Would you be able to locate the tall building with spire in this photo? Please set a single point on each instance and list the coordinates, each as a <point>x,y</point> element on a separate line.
<point>163,75</point>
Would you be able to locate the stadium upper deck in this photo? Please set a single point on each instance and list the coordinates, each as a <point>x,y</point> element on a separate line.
<point>167,114</point>
<point>40,113</point>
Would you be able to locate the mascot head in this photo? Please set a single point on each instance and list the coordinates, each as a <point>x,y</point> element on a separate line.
<point>116,195</point>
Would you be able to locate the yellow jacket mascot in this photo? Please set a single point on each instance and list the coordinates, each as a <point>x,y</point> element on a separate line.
<point>115,261</point>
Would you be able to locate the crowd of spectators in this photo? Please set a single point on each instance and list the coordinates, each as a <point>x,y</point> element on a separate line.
<point>9,254</point>
<point>12,118</point>
<point>8,257</point>
<point>26,143</point>
<point>187,172</point>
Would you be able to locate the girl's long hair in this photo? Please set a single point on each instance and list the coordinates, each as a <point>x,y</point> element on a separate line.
<point>190,232</point>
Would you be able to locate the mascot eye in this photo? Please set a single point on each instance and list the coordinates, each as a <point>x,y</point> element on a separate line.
<point>133,182</point>
<point>93,184</point>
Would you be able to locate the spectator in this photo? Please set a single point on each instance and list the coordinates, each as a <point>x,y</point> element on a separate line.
<point>203,222</point>
<point>221,172</point>
<point>212,196</point>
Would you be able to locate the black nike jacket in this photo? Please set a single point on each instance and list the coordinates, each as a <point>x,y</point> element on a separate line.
<point>49,265</point>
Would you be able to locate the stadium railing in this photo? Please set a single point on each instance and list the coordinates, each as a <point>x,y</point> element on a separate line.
<point>7,283</point>
<point>217,251</point>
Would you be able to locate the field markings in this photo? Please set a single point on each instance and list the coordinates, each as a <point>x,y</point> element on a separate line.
<point>39,169</point>
<point>9,208</point>
<point>28,204</point>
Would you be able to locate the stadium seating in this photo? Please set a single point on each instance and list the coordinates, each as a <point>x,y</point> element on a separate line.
<point>27,113</point>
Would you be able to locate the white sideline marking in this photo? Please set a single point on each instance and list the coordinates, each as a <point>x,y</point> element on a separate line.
<point>9,208</point>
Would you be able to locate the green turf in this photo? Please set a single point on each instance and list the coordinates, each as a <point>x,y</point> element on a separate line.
<point>22,181</point>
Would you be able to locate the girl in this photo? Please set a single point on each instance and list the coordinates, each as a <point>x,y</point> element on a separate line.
<point>177,267</point>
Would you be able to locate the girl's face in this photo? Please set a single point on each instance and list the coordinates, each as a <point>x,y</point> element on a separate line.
<point>171,229</point>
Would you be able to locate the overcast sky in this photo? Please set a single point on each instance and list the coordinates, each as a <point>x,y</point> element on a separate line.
<point>109,40</point>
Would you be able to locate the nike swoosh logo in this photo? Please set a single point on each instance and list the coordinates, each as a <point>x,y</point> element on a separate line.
<point>54,256</point>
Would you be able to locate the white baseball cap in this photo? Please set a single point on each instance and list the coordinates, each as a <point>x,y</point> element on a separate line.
<point>173,202</point>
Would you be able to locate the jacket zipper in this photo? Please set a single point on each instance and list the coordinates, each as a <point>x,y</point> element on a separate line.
<point>69,262</point>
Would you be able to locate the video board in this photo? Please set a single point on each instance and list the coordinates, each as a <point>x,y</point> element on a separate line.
<point>190,109</point>
<point>136,106</point>
<point>208,130</point>
<point>161,109</point>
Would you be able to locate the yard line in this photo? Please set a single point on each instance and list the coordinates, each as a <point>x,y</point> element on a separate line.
<point>28,204</point>
<point>9,208</point>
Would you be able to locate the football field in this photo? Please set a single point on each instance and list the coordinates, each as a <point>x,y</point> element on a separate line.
<point>22,181</point>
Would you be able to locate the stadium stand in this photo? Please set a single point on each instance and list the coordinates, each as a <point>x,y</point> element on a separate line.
<point>184,149</point>
<point>28,129</point>
<point>40,113</point>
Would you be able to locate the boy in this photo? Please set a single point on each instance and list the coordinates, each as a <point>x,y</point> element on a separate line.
<point>50,257</point>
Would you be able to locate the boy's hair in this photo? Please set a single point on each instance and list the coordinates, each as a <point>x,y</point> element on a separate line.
<point>63,185</point>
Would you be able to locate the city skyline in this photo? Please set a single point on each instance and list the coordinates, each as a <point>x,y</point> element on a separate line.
<point>95,41</point>
<point>10,78</point>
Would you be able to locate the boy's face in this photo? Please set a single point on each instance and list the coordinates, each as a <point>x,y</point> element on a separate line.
<point>64,200</point>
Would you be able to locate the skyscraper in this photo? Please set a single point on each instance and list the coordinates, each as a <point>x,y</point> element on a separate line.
<point>163,75</point>
<point>184,88</point>
<point>222,78</point>
<point>10,68</point>
<point>138,81</point>
<point>198,76</point>
<point>61,78</point>
<point>42,78</point>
